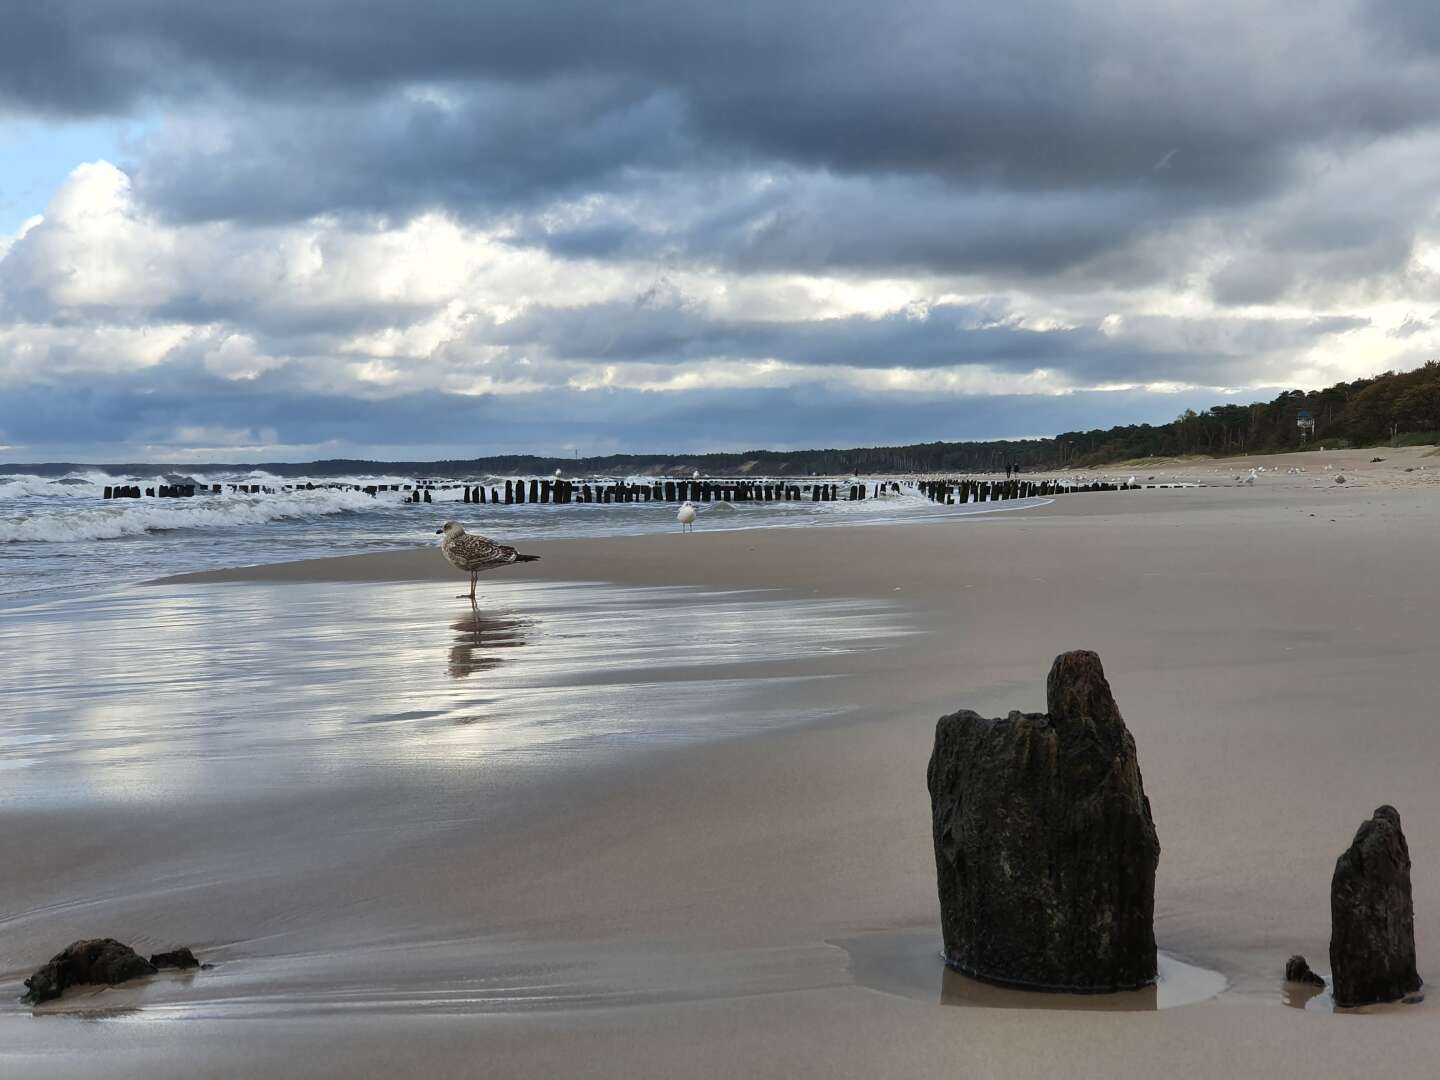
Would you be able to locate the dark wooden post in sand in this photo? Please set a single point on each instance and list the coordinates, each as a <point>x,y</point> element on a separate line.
<point>1372,916</point>
<point>1045,848</point>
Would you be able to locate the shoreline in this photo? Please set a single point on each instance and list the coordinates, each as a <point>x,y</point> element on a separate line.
<point>1269,663</point>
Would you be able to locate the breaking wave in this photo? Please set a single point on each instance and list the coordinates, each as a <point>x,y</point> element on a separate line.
<point>113,520</point>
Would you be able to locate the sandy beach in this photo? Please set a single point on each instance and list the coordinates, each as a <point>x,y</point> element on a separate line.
<point>423,901</point>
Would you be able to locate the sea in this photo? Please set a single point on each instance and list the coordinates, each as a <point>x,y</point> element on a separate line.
<point>59,536</point>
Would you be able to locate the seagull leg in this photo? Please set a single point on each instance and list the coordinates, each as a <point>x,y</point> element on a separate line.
<point>471,594</point>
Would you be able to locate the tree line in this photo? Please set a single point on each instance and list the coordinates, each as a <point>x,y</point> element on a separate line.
<point>1395,407</point>
<point>1388,408</point>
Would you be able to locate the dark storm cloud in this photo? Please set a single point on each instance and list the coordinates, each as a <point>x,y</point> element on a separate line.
<point>921,225</point>
<point>1188,107</point>
<point>1349,231</point>
<point>1218,350</point>
<point>1078,158</point>
<point>1412,26</point>
<point>470,150</point>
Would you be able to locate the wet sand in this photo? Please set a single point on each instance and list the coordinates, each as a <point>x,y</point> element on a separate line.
<point>677,910</point>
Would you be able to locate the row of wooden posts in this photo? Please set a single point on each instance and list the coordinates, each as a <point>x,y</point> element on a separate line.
<point>968,491</point>
<point>701,491</point>
<point>560,491</point>
<point>189,491</point>
<point>163,491</point>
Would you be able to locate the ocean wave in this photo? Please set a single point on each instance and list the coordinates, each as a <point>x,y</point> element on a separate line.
<point>20,486</point>
<point>114,520</point>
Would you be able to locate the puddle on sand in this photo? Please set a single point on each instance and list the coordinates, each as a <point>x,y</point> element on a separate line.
<point>908,963</point>
<point>1318,999</point>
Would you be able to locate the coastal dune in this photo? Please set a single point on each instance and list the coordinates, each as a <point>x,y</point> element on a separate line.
<point>683,909</point>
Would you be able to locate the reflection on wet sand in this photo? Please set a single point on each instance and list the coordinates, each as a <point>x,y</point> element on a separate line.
<point>478,639</point>
<point>958,989</point>
<point>304,684</point>
<point>909,963</point>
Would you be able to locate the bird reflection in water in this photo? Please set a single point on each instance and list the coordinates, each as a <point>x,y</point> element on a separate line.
<point>481,639</point>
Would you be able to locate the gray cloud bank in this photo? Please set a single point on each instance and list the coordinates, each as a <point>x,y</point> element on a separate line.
<point>1028,168</point>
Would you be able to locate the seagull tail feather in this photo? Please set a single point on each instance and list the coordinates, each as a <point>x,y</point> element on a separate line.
<point>527,558</point>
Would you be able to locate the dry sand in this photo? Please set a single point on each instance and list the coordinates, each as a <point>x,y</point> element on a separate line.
<point>1273,649</point>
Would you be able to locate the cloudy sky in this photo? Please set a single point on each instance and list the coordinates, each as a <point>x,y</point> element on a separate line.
<point>421,228</point>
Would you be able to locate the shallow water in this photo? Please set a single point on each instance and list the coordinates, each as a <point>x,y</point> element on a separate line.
<point>289,777</point>
<point>60,534</point>
<point>175,692</point>
<point>909,963</point>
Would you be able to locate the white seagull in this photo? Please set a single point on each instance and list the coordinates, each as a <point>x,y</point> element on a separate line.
<point>686,517</point>
<point>475,554</point>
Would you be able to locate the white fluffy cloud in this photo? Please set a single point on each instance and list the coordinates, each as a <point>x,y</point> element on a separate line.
<point>342,306</point>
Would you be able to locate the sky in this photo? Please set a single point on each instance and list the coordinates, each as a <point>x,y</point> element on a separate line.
<point>413,229</point>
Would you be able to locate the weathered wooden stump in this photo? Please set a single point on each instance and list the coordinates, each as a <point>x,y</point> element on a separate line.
<point>1045,849</point>
<point>1372,915</point>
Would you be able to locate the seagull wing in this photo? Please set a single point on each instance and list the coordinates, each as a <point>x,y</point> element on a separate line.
<point>475,553</point>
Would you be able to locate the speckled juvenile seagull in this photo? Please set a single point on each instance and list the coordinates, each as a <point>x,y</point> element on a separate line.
<point>476,554</point>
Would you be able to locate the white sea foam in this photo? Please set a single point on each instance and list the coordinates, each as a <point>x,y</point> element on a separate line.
<point>112,520</point>
<point>22,486</point>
